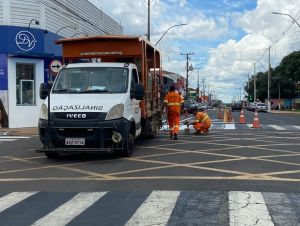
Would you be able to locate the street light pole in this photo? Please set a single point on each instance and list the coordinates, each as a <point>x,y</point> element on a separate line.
<point>269,76</point>
<point>148,33</point>
<point>285,14</point>
<point>176,25</point>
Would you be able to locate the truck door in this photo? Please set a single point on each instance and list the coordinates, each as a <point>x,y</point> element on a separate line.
<point>135,104</point>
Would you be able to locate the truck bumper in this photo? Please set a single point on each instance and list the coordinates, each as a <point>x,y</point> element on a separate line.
<point>97,136</point>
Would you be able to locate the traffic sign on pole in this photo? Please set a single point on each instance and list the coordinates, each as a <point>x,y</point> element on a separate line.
<point>55,65</point>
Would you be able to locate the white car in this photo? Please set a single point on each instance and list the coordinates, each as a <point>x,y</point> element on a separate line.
<point>261,107</point>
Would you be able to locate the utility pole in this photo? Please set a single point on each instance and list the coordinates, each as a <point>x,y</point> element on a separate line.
<point>148,32</point>
<point>198,85</point>
<point>187,73</point>
<point>203,86</point>
<point>269,76</point>
<point>254,96</point>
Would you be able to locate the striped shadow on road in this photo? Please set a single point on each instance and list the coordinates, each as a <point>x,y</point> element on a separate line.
<point>150,208</point>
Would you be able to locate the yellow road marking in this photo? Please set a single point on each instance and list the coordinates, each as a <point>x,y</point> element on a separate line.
<point>62,166</point>
<point>275,179</point>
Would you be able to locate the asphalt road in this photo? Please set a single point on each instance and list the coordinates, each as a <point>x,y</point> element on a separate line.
<point>213,178</point>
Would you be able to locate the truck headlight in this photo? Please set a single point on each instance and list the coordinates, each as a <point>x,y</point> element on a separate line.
<point>44,112</point>
<point>115,112</point>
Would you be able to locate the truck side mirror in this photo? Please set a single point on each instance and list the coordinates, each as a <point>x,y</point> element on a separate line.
<point>44,90</point>
<point>139,91</point>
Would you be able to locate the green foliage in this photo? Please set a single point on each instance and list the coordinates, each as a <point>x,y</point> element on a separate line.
<point>282,81</point>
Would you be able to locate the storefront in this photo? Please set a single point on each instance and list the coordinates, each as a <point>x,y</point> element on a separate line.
<point>25,56</point>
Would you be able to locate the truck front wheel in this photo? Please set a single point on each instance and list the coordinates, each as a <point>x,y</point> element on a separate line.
<point>128,146</point>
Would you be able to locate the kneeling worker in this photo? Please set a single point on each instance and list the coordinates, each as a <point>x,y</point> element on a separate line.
<point>202,123</point>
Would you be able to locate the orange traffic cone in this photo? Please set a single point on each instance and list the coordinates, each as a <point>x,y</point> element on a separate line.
<point>220,114</point>
<point>242,117</point>
<point>256,121</point>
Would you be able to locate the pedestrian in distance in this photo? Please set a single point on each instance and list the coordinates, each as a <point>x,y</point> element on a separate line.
<point>172,103</point>
<point>201,124</point>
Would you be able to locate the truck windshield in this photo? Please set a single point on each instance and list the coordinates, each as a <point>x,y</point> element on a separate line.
<point>91,80</point>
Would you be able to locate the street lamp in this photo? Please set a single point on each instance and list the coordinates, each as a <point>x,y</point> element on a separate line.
<point>177,25</point>
<point>36,22</point>
<point>64,28</point>
<point>285,14</point>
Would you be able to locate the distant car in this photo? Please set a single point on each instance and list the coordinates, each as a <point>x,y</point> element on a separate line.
<point>187,106</point>
<point>203,107</point>
<point>261,107</point>
<point>236,106</point>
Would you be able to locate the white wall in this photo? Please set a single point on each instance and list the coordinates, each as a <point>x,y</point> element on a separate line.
<point>24,116</point>
<point>55,14</point>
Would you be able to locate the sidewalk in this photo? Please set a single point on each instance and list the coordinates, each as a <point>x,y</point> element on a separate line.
<point>285,112</point>
<point>19,131</point>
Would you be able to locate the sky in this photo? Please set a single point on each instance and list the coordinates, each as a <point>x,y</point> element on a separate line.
<point>225,37</point>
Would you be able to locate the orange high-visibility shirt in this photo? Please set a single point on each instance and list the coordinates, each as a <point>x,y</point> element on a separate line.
<point>174,101</point>
<point>203,118</point>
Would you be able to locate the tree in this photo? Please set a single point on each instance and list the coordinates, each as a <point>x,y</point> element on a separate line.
<point>283,79</point>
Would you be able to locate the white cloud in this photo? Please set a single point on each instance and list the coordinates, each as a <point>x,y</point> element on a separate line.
<point>227,64</point>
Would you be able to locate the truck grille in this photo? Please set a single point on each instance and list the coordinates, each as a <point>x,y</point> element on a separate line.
<point>79,115</point>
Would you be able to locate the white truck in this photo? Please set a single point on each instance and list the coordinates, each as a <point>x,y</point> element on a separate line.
<point>106,96</point>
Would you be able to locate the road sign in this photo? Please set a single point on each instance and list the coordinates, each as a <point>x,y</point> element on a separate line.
<point>55,65</point>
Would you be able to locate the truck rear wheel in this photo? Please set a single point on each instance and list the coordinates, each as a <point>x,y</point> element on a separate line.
<point>52,155</point>
<point>128,146</point>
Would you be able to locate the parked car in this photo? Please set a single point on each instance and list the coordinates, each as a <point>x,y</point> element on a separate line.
<point>236,106</point>
<point>261,107</point>
<point>186,106</point>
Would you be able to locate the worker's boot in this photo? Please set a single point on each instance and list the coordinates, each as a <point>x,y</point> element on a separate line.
<point>175,136</point>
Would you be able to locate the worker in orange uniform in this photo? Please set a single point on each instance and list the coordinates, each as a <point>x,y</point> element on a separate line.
<point>201,123</point>
<point>173,101</point>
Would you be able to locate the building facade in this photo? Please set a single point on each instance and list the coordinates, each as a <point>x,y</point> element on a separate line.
<point>29,55</point>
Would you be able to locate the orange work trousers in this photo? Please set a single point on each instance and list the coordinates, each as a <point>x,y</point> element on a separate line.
<point>201,127</point>
<point>173,119</point>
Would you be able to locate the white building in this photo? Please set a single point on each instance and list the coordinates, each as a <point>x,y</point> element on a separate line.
<point>28,31</point>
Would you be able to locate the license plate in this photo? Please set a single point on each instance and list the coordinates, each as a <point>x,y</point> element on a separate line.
<point>74,141</point>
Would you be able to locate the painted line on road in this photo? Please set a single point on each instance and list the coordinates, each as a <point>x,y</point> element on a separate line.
<point>66,212</point>
<point>277,127</point>
<point>13,137</point>
<point>229,126</point>
<point>13,198</point>
<point>242,177</point>
<point>248,208</point>
<point>7,139</point>
<point>62,166</point>
<point>156,210</point>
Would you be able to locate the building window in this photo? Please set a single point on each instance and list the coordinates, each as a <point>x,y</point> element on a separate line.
<point>25,84</point>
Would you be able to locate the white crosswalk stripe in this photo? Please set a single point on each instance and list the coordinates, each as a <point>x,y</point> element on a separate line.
<point>156,210</point>
<point>248,208</point>
<point>5,138</point>
<point>277,127</point>
<point>66,212</point>
<point>162,208</point>
<point>13,198</point>
<point>233,126</point>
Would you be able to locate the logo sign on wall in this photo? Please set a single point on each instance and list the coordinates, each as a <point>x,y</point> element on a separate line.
<point>25,40</point>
